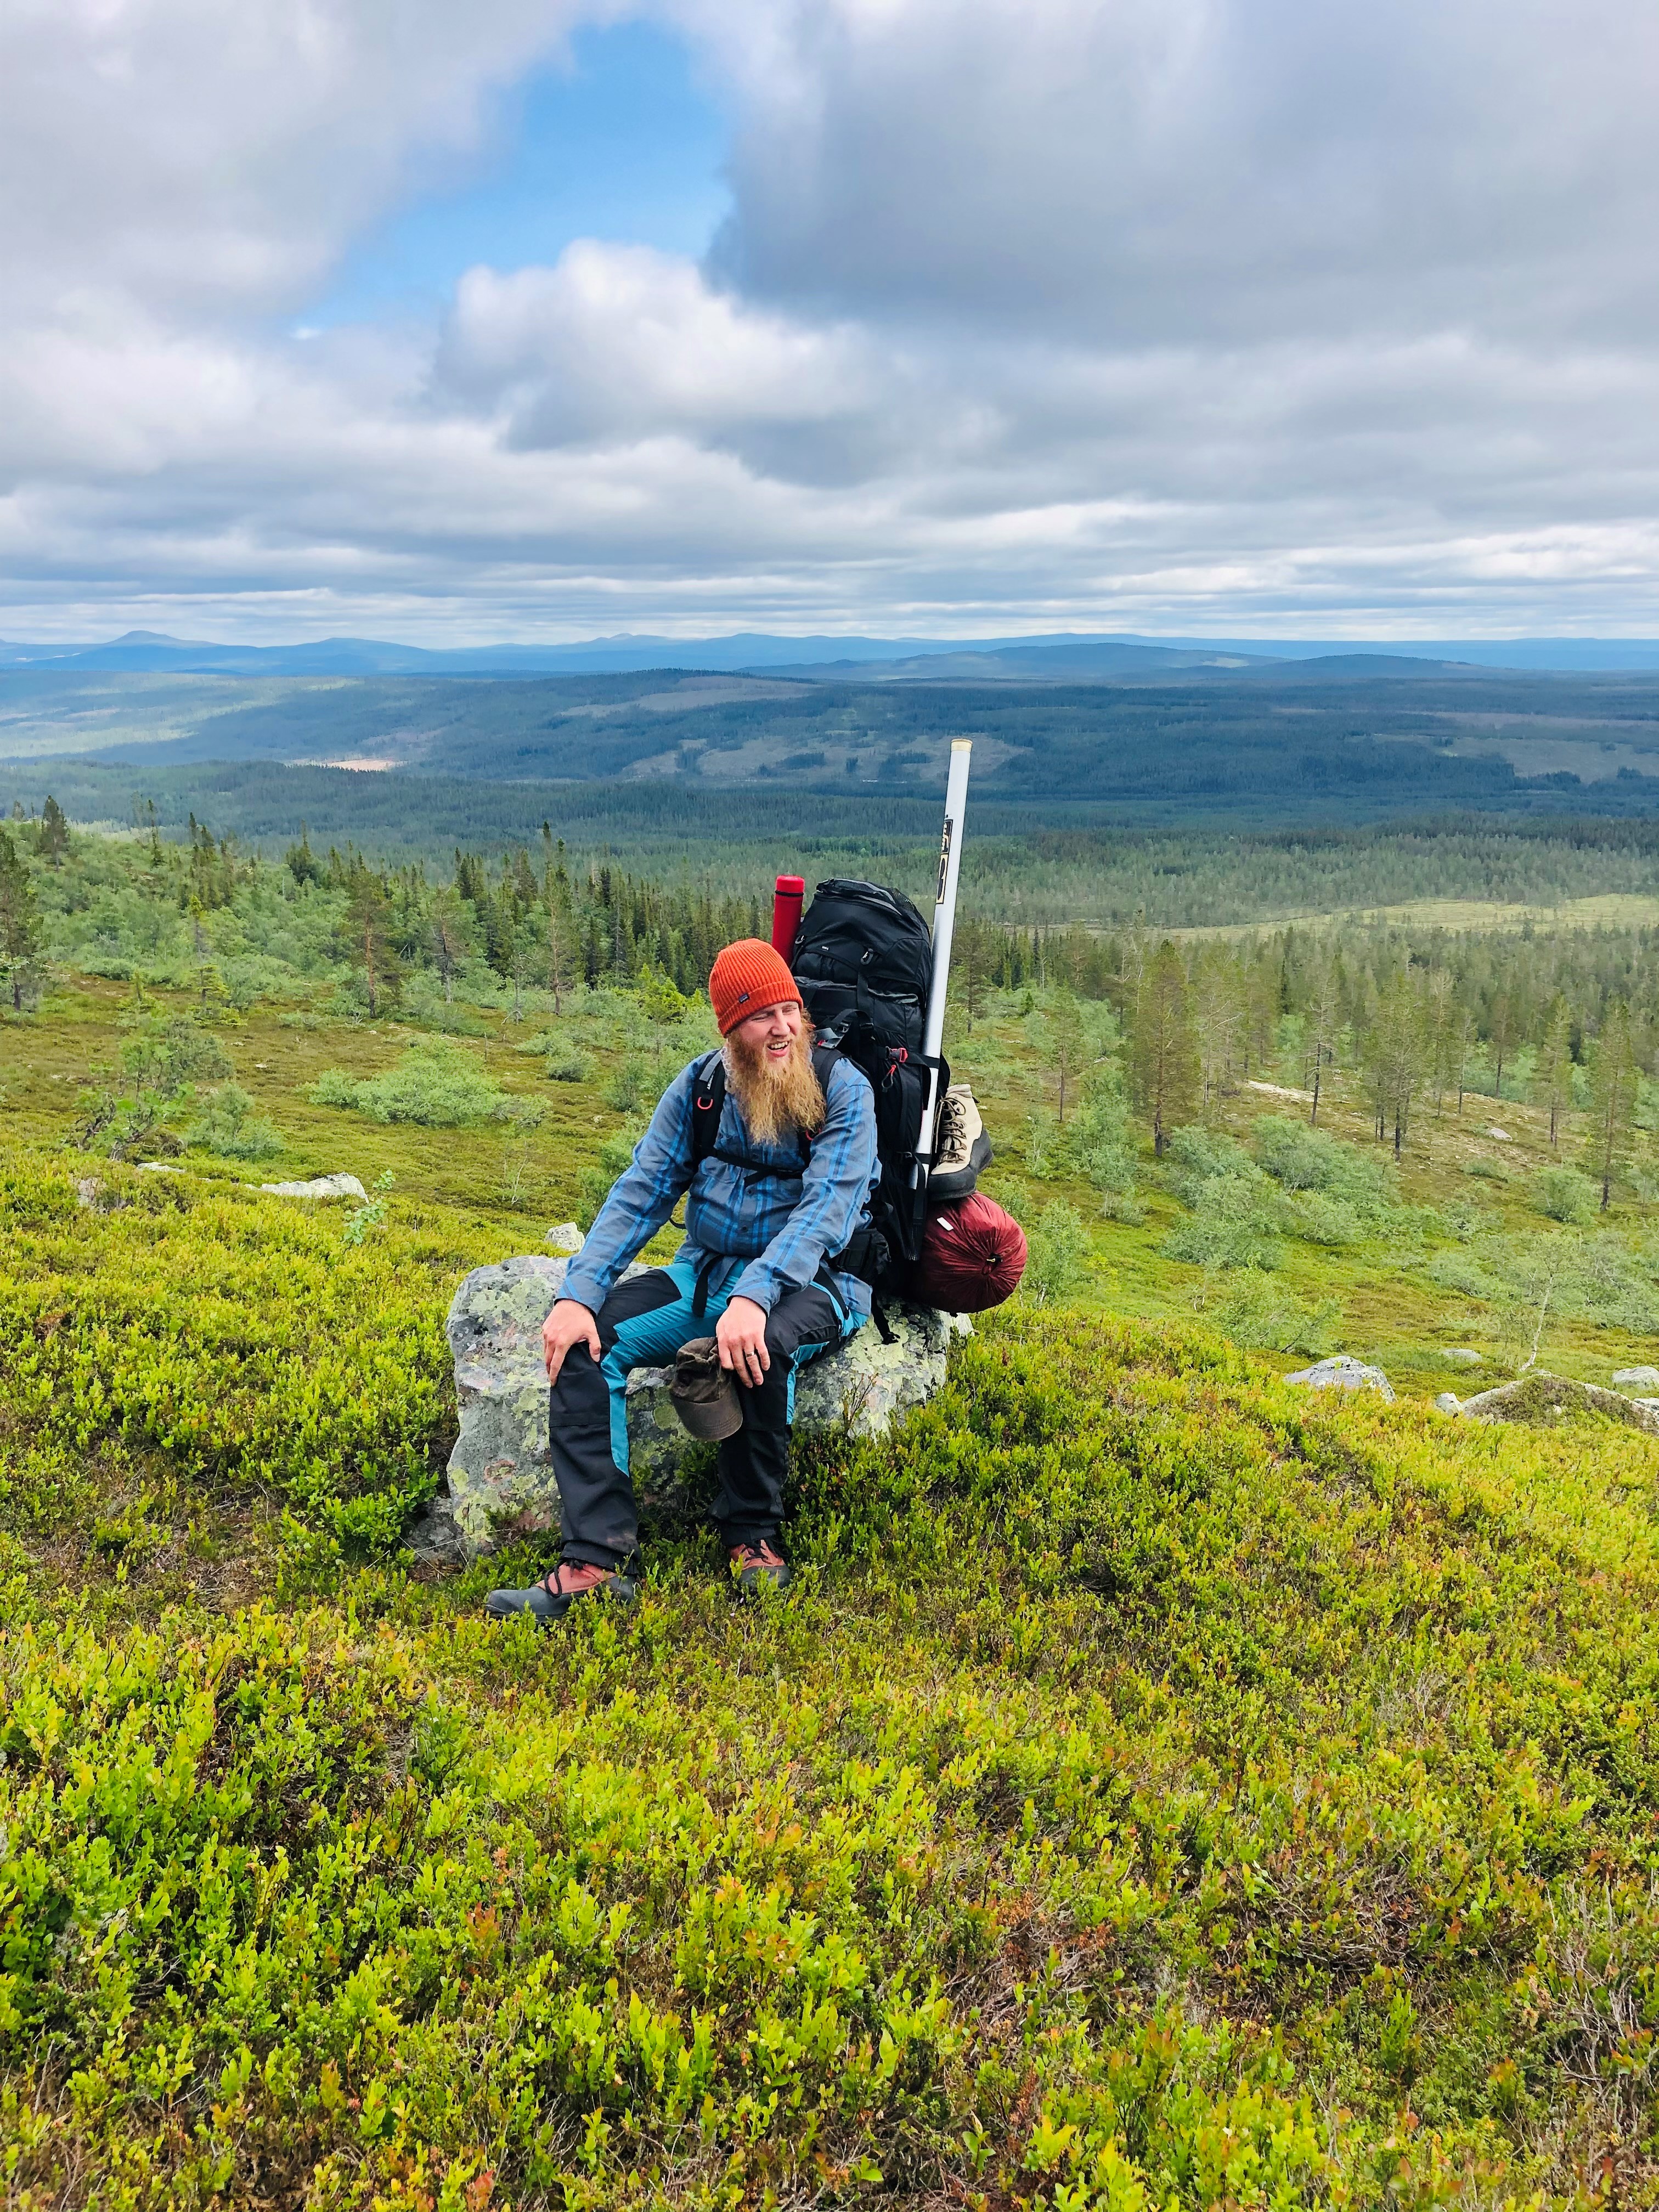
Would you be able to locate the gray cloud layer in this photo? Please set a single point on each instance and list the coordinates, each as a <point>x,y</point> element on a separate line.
<point>1187,311</point>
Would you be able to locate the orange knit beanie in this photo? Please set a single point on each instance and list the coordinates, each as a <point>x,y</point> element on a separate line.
<point>747,976</point>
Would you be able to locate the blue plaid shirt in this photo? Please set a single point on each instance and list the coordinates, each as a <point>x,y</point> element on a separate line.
<point>772,1227</point>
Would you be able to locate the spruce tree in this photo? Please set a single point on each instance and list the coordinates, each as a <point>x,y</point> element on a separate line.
<point>561,934</point>
<point>1394,1051</point>
<point>1163,1059</point>
<point>1067,1049</point>
<point>364,934</point>
<point>1219,1019</point>
<point>1324,1016</point>
<point>20,926</point>
<point>1555,1065</point>
<point>1613,1098</point>
<point>448,938</point>
<point>51,839</point>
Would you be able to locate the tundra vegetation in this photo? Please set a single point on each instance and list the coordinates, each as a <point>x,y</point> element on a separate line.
<point>1164,1788</point>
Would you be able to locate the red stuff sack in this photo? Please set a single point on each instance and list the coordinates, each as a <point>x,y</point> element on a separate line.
<point>973,1256</point>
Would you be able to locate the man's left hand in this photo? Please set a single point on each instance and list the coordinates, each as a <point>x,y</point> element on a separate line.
<point>740,1332</point>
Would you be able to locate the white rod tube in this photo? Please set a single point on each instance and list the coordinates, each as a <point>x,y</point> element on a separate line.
<point>944,920</point>
<point>944,899</point>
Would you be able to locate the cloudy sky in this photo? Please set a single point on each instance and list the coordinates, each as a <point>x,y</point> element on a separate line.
<point>536,318</point>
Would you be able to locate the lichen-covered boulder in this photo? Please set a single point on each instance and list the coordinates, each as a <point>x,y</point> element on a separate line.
<point>499,1481</point>
<point>499,1475</point>
<point>1343,1372</point>
<point>328,1186</point>
<point>1545,1400</point>
<point>1640,1382</point>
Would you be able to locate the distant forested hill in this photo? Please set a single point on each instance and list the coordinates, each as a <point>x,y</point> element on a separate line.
<point>1268,747</point>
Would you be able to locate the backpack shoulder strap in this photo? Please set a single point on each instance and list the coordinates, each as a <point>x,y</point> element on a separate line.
<point>708,1101</point>
<point>824,1057</point>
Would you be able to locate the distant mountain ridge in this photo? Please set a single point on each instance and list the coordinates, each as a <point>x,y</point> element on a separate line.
<point>1060,656</point>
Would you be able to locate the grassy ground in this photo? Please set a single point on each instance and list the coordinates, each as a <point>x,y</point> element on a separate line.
<point>1161,1789</point>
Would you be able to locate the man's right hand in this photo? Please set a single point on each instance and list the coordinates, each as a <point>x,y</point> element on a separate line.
<point>568,1323</point>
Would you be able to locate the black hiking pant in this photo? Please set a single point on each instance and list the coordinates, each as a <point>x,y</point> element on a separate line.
<point>643,1323</point>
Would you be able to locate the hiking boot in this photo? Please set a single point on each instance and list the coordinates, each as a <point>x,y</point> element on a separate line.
<point>752,1566</point>
<point>551,1598</point>
<point>961,1148</point>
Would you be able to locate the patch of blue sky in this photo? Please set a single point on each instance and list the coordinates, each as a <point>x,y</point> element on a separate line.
<point>618,142</point>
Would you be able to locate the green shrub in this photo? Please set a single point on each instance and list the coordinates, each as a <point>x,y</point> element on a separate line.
<point>594,1184</point>
<point>1319,1219</point>
<point>1599,1280</point>
<point>1564,1195</point>
<point>629,1084</point>
<point>1236,1210</point>
<point>1098,1144</point>
<point>1197,1155</point>
<point>1124,1207</point>
<point>1227,1231</point>
<point>567,1064</point>
<point>1301,1159</point>
<point>1057,1251</point>
<point>1043,1153</point>
<point>435,1084</point>
<point>227,1125</point>
<point>1256,1309</point>
<point>166,1056</point>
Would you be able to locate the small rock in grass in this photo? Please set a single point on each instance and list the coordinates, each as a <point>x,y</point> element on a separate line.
<point>1344,1372</point>
<point>1641,1381</point>
<point>434,1536</point>
<point>1502,1135</point>
<point>565,1237</point>
<point>155,1167</point>
<point>1460,1355</point>
<point>1448,1402</point>
<point>328,1186</point>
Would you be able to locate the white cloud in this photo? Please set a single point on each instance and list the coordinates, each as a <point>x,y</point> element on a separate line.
<point>1142,311</point>
<point>1136,171</point>
<point>219,157</point>
<point>619,343</point>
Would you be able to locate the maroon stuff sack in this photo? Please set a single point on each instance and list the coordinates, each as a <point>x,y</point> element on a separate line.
<point>972,1256</point>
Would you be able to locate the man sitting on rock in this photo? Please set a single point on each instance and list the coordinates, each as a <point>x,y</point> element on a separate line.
<point>769,1212</point>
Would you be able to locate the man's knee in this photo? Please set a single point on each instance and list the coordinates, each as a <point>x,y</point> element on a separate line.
<point>787,1349</point>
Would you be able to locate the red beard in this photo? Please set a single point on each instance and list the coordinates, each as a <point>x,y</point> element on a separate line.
<point>777,1097</point>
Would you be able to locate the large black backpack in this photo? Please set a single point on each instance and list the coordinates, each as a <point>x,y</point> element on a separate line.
<point>863,958</point>
<point>864,951</point>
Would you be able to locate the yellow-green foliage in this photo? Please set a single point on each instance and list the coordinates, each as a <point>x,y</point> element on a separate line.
<point>1162,1789</point>
<point>241,1335</point>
